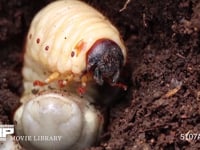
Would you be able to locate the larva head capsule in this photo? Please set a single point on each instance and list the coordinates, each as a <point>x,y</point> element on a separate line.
<point>54,120</point>
<point>105,59</point>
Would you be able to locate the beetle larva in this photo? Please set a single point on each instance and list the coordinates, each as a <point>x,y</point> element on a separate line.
<point>70,41</point>
<point>72,120</point>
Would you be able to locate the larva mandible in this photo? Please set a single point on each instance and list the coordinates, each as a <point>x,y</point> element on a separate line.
<point>69,40</point>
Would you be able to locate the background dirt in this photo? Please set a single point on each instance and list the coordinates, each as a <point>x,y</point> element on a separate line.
<point>163,98</point>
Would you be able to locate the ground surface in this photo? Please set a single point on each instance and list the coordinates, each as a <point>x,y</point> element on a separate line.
<point>163,99</point>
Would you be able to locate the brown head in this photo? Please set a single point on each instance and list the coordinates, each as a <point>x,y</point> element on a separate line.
<point>105,60</point>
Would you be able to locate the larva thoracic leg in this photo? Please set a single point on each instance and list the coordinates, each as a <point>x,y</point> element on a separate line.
<point>68,38</point>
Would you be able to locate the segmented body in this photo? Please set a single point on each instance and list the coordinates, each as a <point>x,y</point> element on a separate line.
<point>59,38</point>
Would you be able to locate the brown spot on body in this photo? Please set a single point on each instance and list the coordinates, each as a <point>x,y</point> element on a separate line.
<point>72,54</point>
<point>30,36</point>
<point>38,40</point>
<point>47,48</point>
<point>79,47</point>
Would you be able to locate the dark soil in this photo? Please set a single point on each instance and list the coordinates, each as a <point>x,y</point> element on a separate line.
<point>163,98</point>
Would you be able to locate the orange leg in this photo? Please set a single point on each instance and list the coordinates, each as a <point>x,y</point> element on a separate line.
<point>54,76</point>
<point>65,80</point>
<point>62,83</point>
<point>81,90</point>
<point>38,83</point>
<point>84,79</point>
<point>120,85</point>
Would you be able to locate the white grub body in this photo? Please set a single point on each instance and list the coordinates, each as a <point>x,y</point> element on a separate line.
<point>59,38</point>
<point>57,114</point>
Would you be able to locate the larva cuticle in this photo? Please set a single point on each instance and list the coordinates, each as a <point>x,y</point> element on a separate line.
<point>53,114</point>
<point>61,38</point>
<point>68,44</point>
